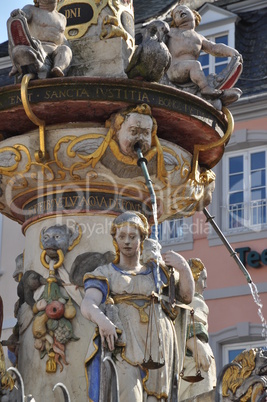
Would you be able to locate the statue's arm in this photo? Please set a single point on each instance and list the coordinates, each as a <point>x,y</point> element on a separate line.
<point>25,11</point>
<point>186,285</point>
<point>218,49</point>
<point>90,310</point>
<point>199,352</point>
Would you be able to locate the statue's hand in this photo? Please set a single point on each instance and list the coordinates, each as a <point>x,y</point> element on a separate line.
<point>200,353</point>
<point>238,56</point>
<point>16,12</point>
<point>108,334</point>
<point>204,359</point>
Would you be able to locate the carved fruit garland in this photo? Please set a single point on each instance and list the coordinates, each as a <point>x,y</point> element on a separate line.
<point>52,328</point>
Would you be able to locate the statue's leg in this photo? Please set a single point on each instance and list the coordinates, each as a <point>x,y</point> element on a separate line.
<point>62,58</point>
<point>198,77</point>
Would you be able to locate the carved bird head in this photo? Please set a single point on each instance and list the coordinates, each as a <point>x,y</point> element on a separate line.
<point>157,29</point>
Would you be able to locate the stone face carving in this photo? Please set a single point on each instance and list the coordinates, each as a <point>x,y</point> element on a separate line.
<point>151,58</point>
<point>58,237</point>
<point>199,354</point>
<point>244,379</point>
<point>185,45</point>
<point>36,40</point>
<point>128,283</point>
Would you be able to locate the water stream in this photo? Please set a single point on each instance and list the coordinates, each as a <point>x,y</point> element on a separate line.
<point>142,162</point>
<point>257,300</point>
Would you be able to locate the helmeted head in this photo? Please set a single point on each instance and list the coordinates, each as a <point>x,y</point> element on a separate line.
<point>135,219</point>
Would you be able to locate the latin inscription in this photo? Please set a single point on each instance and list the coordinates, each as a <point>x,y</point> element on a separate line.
<point>77,13</point>
<point>102,93</point>
<point>82,202</point>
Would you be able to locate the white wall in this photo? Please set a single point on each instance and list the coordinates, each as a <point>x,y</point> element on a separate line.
<point>12,244</point>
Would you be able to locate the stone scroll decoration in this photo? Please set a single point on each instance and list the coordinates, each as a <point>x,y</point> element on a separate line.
<point>244,379</point>
<point>54,310</point>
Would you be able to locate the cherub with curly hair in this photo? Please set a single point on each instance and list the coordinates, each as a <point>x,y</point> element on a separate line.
<point>185,45</point>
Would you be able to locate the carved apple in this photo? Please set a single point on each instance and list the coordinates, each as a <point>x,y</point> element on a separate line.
<point>55,310</point>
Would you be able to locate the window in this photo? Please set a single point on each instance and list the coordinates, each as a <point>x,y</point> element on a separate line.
<point>212,64</point>
<point>245,188</point>
<point>230,351</point>
<point>170,231</point>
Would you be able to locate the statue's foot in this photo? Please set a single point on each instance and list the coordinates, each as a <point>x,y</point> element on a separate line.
<point>57,72</point>
<point>210,92</point>
<point>13,71</point>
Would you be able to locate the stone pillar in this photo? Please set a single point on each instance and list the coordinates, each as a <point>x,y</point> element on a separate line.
<point>101,35</point>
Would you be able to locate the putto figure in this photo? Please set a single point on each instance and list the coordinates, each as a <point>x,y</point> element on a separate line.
<point>37,43</point>
<point>185,45</point>
<point>129,285</point>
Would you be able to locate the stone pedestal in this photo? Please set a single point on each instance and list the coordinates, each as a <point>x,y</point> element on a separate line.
<point>94,58</point>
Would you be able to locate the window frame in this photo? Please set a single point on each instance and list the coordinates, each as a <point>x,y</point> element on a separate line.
<point>243,345</point>
<point>182,244</point>
<point>212,59</point>
<point>248,225</point>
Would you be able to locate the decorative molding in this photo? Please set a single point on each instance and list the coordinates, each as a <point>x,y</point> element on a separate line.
<point>210,13</point>
<point>233,291</point>
<point>250,107</point>
<point>238,236</point>
<point>245,6</point>
<point>241,332</point>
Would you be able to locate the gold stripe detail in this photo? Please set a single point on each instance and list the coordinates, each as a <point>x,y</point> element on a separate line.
<point>41,154</point>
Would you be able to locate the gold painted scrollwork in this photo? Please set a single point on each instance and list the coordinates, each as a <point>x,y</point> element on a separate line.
<point>112,25</point>
<point>79,30</point>
<point>13,169</point>
<point>205,147</point>
<point>41,154</point>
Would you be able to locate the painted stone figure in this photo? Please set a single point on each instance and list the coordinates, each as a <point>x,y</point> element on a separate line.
<point>130,285</point>
<point>151,58</point>
<point>199,354</point>
<point>168,164</point>
<point>36,40</point>
<point>185,45</point>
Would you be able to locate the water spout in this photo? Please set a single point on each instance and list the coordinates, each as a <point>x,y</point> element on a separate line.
<point>233,254</point>
<point>142,162</point>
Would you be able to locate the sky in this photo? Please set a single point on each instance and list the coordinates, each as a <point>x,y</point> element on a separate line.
<point>6,7</point>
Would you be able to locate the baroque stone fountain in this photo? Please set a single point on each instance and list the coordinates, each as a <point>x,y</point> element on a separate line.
<point>85,97</point>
